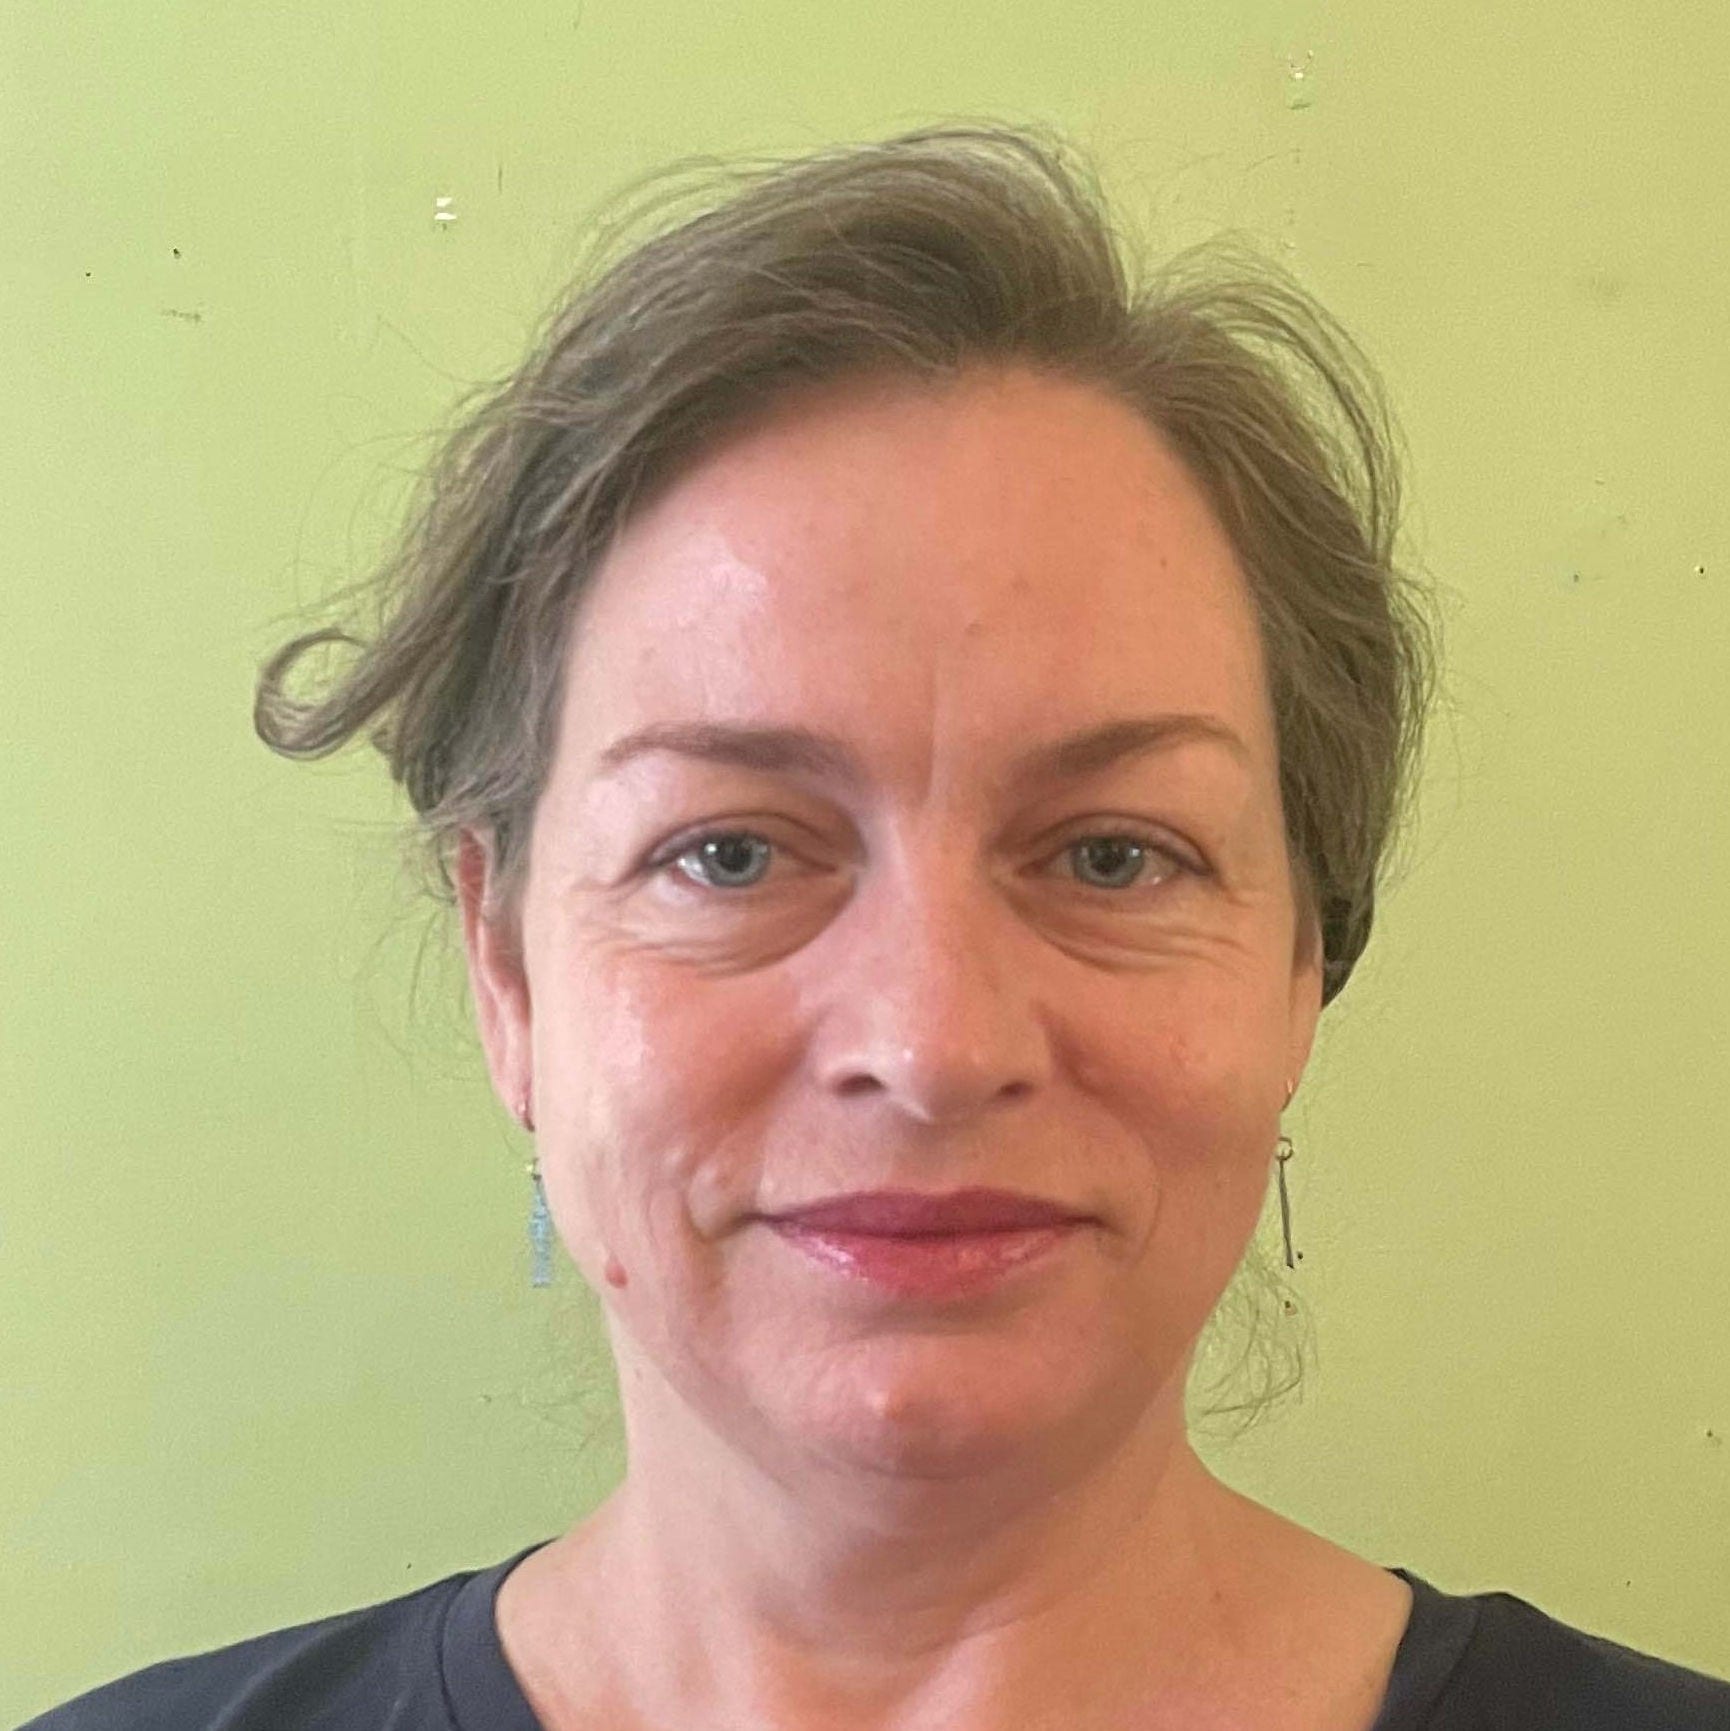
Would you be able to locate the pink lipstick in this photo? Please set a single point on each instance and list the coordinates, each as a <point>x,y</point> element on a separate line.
<point>920,1245</point>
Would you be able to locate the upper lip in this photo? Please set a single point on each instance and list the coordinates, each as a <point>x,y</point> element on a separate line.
<point>907,1212</point>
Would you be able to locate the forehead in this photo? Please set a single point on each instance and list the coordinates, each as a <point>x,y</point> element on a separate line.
<point>999,553</point>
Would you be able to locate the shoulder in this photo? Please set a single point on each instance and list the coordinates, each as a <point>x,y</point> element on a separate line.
<point>376,1666</point>
<point>1521,1667</point>
<point>1600,1684</point>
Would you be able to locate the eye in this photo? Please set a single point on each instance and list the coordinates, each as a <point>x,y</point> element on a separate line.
<point>729,849</point>
<point>1129,859</point>
<point>1112,854</point>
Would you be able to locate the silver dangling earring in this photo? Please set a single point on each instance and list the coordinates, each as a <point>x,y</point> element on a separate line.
<point>1282,1154</point>
<point>540,1219</point>
<point>1283,1151</point>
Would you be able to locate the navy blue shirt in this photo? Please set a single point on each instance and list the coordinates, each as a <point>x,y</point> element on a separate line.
<point>431,1661</point>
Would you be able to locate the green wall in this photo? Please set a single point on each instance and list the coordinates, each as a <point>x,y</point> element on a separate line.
<point>267,1346</point>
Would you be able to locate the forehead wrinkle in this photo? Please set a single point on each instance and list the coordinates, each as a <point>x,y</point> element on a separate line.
<point>806,752</point>
<point>735,587</point>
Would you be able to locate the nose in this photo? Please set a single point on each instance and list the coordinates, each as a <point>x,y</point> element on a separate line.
<point>925,997</point>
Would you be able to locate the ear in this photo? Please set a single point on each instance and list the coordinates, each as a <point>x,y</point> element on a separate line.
<point>1306,992</point>
<point>493,944</point>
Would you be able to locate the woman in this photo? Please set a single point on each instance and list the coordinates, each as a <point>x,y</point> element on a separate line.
<point>911,724</point>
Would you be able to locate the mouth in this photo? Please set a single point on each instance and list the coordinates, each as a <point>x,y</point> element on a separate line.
<point>921,1214</point>
<point>930,1265</point>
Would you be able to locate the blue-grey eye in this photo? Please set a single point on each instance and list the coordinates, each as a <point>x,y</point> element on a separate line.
<point>1116,849</point>
<point>729,849</point>
<point>737,859</point>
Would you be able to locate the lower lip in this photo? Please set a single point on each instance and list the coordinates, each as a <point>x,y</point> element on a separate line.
<point>940,1265</point>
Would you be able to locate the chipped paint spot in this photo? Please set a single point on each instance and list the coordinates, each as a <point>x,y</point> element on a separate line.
<point>442,212</point>
<point>1603,288</point>
<point>1302,93</point>
<point>1597,549</point>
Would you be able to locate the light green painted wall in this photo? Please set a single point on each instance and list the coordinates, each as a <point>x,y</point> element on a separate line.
<point>267,1346</point>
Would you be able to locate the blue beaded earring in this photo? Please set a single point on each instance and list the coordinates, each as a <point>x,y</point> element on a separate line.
<point>540,1219</point>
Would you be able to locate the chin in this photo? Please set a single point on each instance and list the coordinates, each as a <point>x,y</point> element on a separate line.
<point>937,1407</point>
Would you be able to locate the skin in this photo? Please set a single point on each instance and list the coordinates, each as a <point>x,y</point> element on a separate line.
<point>843,1509</point>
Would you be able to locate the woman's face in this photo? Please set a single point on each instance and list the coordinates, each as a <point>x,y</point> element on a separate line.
<point>922,959</point>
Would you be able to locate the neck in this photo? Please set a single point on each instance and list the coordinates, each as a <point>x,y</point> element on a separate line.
<point>726,1594</point>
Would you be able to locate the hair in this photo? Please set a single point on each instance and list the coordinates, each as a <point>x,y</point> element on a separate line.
<point>918,255</point>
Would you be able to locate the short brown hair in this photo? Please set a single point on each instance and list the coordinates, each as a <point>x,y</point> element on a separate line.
<point>923,253</point>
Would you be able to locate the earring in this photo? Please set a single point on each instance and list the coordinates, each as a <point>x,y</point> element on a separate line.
<point>540,1219</point>
<point>540,1231</point>
<point>1282,1153</point>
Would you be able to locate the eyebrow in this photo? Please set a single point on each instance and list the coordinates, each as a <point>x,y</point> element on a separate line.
<point>802,751</point>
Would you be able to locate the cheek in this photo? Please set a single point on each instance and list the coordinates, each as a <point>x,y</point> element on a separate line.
<point>1199,1100</point>
<point>653,1117</point>
<point>1210,1081</point>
